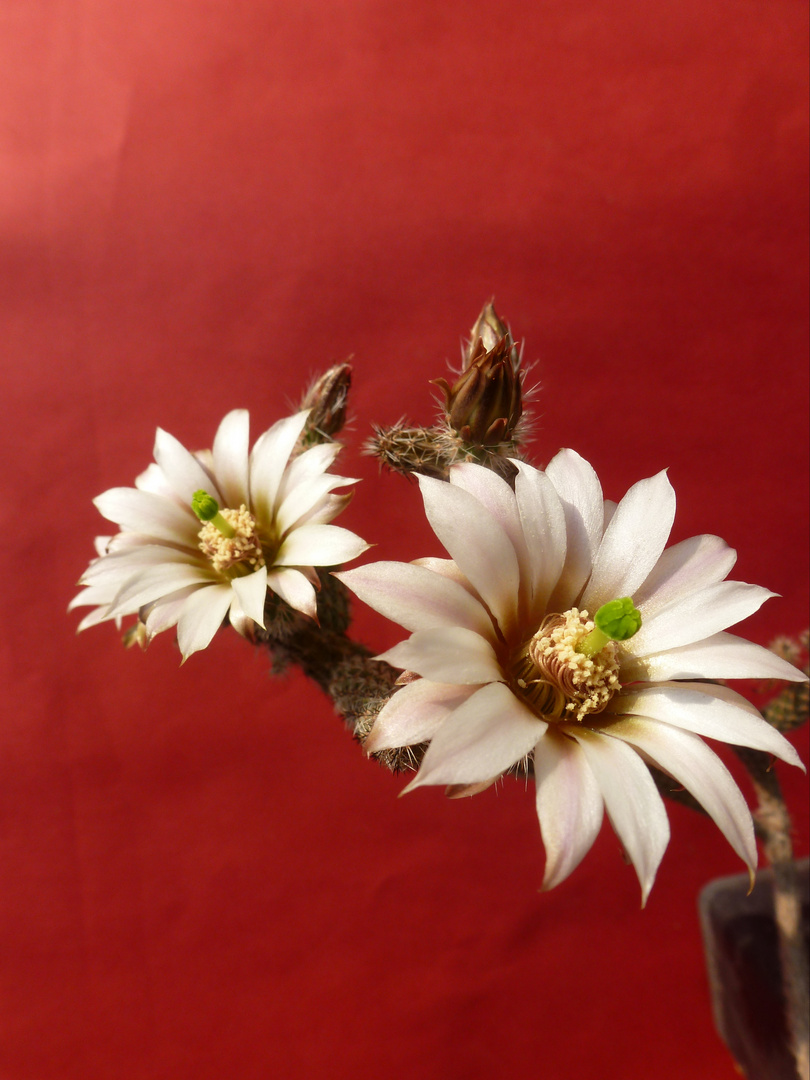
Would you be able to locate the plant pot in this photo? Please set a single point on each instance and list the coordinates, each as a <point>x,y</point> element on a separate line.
<point>742,958</point>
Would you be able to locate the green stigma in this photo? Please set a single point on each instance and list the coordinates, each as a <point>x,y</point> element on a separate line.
<point>206,508</point>
<point>617,620</point>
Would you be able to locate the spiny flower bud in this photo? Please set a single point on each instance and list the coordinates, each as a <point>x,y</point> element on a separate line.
<point>326,398</point>
<point>484,404</point>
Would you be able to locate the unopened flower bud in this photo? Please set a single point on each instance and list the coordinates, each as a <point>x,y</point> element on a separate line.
<point>326,398</point>
<point>484,404</point>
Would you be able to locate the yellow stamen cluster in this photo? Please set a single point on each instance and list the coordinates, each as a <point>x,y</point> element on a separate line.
<point>559,682</point>
<point>226,551</point>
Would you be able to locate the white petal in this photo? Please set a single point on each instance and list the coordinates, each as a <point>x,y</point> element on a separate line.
<point>320,545</point>
<point>687,758</point>
<point>251,592</point>
<point>683,569</point>
<point>201,617</point>
<point>230,454</point>
<point>569,804</point>
<point>632,543</point>
<point>697,616</point>
<point>268,461</point>
<point>165,612</point>
<point>722,656</point>
<point>99,614</point>
<point>715,712</point>
<point>151,584</point>
<point>417,598</point>
<point>447,568</point>
<point>152,515</point>
<point>500,502</point>
<point>446,654</point>
<point>305,498</point>
<point>581,496</point>
<point>153,479</point>
<point>478,545</point>
<point>414,713</point>
<point>482,738</point>
<point>183,471</point>
<point>95,594</point>
<point>124,562</point>
<point>635,808</point>
<point>544,523</point>
<point>327,510</point>
<point>294,588</point>
<point>307,466</point>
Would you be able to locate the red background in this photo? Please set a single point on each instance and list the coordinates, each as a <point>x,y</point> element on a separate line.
<point>201,204</point>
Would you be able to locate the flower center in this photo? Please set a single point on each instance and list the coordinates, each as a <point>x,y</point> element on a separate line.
<point>243,546</point>
<point>560,681</point>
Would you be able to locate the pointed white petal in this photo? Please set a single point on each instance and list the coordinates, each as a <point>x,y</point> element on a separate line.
<point>483,737</point>
<point>165,612</point>
<point>152,515</point>
<point>307,466</point>
<point>268,461</point>
<point>150,584</point>
<point>94,594</point>
<point>697,616</point>
<point>230,458</point>
<point>124,562</point>
<point>569,804</point>
<point>414,714</point>
<point>446,654</point>
<point>320,545</point>
<point>305,498</point>
<point>635,808</point>
<point>715,712</point>
<point>581,496</point>
<point>202,615</point>
<point>722,656</point>
<point>687,758</point>
<point>478,545</point>
<point>416,598</point>
<point>447,568</point>
<point>500,502</point>
<point>183,471</point>
<point>294,588</point>
<point>154,480</point>
<point>543,519</point>
<point>98,615</point>
<point>683,569</point>
<point>327,510</point>
<point>251,591</point>
<point>632,543</point>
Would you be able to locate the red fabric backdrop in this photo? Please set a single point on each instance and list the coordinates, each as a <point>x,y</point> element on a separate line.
<point>201,204</point>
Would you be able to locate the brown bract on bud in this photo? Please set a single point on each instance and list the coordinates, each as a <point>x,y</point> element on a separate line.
<point>327,397</point>
<point>484,405</point>
<point>489,329</point>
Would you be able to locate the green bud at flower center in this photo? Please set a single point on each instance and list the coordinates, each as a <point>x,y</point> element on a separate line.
<point>617,620</point>
<point>206,508</point>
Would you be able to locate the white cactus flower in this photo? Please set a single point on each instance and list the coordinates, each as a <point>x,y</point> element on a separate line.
<point>515,670</point>
<point>204,536</point>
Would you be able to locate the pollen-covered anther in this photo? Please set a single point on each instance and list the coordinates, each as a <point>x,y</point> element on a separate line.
<point>559,682</point>
<point>226,551</point>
